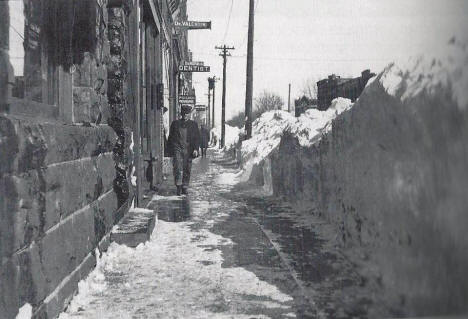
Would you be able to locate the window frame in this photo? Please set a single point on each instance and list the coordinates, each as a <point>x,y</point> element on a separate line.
<point>57,86</point>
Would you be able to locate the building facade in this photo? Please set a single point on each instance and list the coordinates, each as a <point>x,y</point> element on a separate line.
<point>335,86</point>
<point>84,86</point>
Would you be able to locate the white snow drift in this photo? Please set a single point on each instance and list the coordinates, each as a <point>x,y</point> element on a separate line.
<point>270,127</point>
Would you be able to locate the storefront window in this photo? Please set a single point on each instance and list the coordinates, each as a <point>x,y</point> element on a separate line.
<point>33,75</point>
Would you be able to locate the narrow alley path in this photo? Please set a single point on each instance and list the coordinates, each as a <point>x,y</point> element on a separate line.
<point>222,252</point>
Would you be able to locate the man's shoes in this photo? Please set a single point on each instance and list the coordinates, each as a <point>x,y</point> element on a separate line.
<point>184,191</point>
<point>179,190</point>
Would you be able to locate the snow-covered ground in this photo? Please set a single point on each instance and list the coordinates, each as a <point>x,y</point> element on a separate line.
<point>179,273</point>
<point>186,278</point>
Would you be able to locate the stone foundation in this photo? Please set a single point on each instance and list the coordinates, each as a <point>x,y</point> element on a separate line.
<point>57,203</point>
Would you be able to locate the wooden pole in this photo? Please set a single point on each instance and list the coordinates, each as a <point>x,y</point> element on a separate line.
<point>224,53</point>
<point>249,80</point>
<point>223,110</point>
<point>208,110</point>
<point>214,101</point>
<point>289,98</point>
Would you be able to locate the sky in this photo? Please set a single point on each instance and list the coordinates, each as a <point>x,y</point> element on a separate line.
<point>301,40</point>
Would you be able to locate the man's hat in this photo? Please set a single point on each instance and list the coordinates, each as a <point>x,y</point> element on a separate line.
<point>185,108</point>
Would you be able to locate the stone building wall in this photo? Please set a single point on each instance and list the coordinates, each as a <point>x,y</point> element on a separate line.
<point>63,186</point>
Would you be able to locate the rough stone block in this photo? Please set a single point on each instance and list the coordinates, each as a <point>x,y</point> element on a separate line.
<point>64,247</point>
<point>114,68</point>
<point>56,302</point>
<point>64,195</point>
<point>37,145</point>
<point>82,74</point>
<point>9,146</point>
<point>9,292</point>
<point>33,283</point>
<point>135,228</point>
<point>115,91</point>
<point>104,211</point>
<point>82,104</point>
<point>22,215</point>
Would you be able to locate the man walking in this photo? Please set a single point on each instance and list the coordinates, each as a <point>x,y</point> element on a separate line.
<point>183,144</point>
<point>205,139</point>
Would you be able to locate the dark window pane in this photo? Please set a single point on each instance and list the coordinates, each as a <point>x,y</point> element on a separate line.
<point>33,75</point>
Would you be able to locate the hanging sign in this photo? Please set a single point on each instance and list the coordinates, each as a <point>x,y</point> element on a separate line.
<point>193,25</point>
<point>194,68</point>
<point>199,63</point>
<point>187,99</point>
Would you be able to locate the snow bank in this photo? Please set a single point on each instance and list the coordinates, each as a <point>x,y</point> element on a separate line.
<point>231,136</point>
<point>270,127</point>
<point>425,74</point>
<point>25,312</point>
<point>395,166</point>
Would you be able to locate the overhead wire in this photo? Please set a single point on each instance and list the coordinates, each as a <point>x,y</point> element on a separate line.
<point>228,21</point>
<point>246,34</point>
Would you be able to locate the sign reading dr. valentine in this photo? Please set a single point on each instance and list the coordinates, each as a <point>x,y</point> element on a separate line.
<point>193,25</point>
<point>193,63</point>
<point>194,68</point>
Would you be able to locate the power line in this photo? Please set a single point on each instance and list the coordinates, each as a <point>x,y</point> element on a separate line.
<point>245,37</point>
<point>228,22</point>
<point>14,29</point>
<point>294,59</point>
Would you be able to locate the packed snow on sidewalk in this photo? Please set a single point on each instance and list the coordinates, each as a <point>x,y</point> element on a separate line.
<point>270,127</point>
<point>178,273</point>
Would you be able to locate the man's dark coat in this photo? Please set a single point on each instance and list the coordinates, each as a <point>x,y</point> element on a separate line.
<point>205,138</point>
<point>193,136</point>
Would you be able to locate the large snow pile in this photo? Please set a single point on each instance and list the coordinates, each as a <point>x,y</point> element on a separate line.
<point>425,74</point>
<point>231,136</point>
<point>270,127</point>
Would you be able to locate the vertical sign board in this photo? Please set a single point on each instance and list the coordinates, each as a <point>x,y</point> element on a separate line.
<point>187,99</point>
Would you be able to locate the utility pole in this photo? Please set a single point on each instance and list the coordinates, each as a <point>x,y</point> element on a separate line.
<point>249,81</point>
<point>289,99</point>
<point>215,79</point>
<point>208,116</point>
<point>224,53</point>
<point>211,81</point>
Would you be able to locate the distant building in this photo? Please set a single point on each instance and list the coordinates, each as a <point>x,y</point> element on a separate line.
<point>335,86</point>
<point>304,103</point>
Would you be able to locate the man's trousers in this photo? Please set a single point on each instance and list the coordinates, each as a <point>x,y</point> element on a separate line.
<point>182,165</point>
